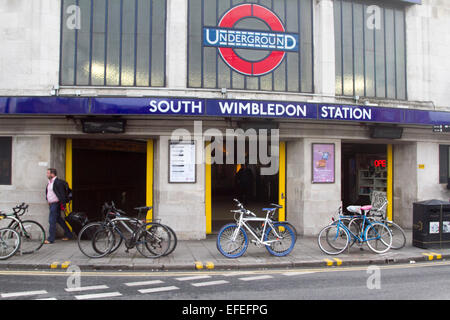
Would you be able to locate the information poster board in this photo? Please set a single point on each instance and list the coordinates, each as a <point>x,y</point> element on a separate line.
<point>182,167</point>
<point>323,162</point>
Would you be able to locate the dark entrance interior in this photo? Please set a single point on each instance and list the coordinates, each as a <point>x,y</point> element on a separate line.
<point>108,170</point>
<point>227,183</point>
<point>362,172</point>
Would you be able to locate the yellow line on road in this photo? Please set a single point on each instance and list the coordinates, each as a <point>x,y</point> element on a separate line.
<point>217,272</point>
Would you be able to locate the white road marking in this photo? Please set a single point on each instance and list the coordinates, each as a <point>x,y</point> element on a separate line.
<point>256,278</point>
<point>22,294</point>
<point>98,295</point>
<point>75,289</point>
<point>209,283</point>
<point>47,299</point>
<point>193,278</point>
<point>160,289</point>
<point>143,283</point>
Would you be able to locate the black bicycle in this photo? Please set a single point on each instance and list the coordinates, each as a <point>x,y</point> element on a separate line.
<point>151,239</point>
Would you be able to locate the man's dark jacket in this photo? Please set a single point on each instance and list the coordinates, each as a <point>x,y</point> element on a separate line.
<point>60,191</point>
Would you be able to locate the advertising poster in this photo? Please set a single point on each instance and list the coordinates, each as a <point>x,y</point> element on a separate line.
<point>323,163</point>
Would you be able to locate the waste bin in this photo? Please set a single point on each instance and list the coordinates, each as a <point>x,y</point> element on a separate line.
<point>431,224</point>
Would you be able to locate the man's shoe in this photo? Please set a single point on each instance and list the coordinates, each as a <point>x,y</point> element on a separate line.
<point>47,242</point>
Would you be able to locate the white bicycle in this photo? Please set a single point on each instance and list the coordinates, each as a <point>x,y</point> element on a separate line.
<point>278,237</point>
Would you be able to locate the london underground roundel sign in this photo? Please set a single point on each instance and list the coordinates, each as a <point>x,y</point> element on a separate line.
<point>227,39</point>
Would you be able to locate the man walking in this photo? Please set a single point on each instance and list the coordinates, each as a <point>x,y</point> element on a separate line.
<point>56,197</point>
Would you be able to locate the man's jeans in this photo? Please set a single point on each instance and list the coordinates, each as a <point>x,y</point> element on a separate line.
<point>55,217</point>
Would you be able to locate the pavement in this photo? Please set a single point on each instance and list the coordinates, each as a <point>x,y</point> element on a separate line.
<point>203,255</point>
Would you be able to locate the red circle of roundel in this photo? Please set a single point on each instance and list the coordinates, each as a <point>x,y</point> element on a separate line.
<point>229,55</point>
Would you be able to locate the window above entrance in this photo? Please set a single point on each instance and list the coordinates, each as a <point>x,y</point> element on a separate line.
<point>370,49</point>
<point>113,43</point>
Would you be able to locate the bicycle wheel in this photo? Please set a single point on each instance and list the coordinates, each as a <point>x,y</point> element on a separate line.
<point>103,241</point>
<point>333,239</point>
<point>378,237</point>
<point>283,237</point>
<point>398,235</point>
<point>292,227</point>
<point>354,229</point>
<point>9,243</point>
<point>173,240</point>
<point>32,236</point>
<point>227,246</point>
<point>88,237</point>
<point>153,240</point>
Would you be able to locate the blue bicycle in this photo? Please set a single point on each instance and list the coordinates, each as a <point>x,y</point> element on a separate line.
<point>344,232</point>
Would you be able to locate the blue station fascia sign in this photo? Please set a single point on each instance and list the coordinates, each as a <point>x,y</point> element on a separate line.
<point>159,106</point>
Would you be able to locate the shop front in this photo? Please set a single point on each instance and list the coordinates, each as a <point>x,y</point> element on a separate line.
<point>319,155</point>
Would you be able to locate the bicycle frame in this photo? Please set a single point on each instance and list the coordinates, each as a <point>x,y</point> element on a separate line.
<point>243,223</point>
<point>121,220</point>
<point>361,238</point>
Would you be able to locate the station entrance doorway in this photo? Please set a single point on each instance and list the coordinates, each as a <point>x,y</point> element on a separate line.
<point>105,171</point>
<point>247,183</point>
<point>364,170</point>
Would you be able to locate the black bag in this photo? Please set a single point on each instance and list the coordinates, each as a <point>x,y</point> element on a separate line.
<point>77,221</point>
<point>67,191</point>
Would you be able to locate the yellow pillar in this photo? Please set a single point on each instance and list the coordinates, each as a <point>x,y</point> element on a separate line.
<point>149,179</point>
<point>282,182</point>
<point>208,187</point>
<point>69,175</point>
<point>390,179</point>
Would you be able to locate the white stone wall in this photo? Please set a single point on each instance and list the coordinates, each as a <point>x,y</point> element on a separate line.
<point>29,38</point>
<point>428,43</point>
<point>179,205</point>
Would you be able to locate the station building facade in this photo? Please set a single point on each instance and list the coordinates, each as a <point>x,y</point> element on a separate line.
<point>340,96</point>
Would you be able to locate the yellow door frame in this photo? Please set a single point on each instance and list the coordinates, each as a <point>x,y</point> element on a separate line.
<point>69,174</point>
<point>149,179</point>
<point>208,188</point>
<point>282,182</point>
<point>390,180</point>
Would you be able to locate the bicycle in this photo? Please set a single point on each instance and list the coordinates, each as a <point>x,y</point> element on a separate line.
<point>336,237</point>
<point>31,232</point>
<point>398,234</point>
<point>278,237</point>
<point>9,241</point>
<point>151,239</point>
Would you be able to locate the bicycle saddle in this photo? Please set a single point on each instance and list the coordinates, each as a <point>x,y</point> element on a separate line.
<point>357,209</point>
<point>143,208</point>
<point>276,205</point>
<point>354,209</point>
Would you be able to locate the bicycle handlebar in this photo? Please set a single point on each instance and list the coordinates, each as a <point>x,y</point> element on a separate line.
<point>20,207</point>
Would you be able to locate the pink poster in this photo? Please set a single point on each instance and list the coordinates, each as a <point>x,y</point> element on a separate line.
<point>323,163</point>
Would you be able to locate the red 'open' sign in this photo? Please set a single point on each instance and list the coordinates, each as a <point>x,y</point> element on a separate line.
<point>380,163</point>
